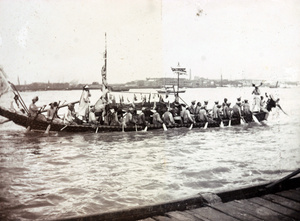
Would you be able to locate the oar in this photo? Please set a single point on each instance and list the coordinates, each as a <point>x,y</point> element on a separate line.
<point>221,124</point>
<point>242,121</point>
<point>229,123</point>
<point>282,109</point>
<point>135,127</point>
<point>97,130</point>
<point>165,127</point>
<point>145,128</point>
<point>65,105</point>
<point>63,128</point>
<point>191,127</point>
<point>255,119</point>
<point>49,126</point>
<point>205,125</point>
<point>37,114</point>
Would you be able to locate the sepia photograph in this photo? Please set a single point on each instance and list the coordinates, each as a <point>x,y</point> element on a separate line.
<point>150,110</point>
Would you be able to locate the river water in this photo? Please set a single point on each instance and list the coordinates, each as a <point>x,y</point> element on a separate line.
<point>64,175</point>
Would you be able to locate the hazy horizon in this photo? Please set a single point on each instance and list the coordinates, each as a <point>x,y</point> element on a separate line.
<point>63,41</point>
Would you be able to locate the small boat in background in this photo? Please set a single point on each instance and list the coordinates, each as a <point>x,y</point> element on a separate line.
<point>171,89</point>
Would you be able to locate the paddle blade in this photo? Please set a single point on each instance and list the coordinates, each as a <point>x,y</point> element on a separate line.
<point>221,124</point>
<point>229,123</point>
<point>48,129</point>
<point>165,127</point>
<point>97,130</point>
<point>27,129</point>
<point>255,119</point>
<point>205,126</point>
<point>146,128</point>
<point>191,127</point>
<point>242,122</point>
<point>63,128</point>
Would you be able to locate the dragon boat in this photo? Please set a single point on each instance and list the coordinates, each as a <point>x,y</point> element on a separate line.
<point>41,125</point>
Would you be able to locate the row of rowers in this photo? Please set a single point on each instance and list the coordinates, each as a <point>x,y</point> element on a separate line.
<point>163,113</point>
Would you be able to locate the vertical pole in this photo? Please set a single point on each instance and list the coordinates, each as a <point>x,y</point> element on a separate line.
<point>177,83</point>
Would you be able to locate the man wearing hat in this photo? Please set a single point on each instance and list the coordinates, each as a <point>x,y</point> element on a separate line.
<point>256,98</point>
<point>84,102</point>
<point>205,106</point>
<point>142,118</point>
<point>203,115</point>
<point>197,111</point>
<point>192,107</point>
<point>33,109</point>
<point>215,110</point>
<point>226,111</point>
<point>236,110</point>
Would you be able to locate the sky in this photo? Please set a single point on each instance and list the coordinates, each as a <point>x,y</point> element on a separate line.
<point>64,41</point>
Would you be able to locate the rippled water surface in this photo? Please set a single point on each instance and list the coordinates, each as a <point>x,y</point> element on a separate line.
<point>65,174</point>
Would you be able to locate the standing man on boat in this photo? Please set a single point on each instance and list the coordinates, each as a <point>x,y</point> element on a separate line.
<point>263,107</point>
<point>84,104</point>
<point>256,98</point>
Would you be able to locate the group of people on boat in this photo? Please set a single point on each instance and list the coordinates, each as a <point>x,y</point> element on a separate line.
<point>163,112</point>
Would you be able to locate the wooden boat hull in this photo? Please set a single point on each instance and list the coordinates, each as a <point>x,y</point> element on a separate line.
<point>25,121</point>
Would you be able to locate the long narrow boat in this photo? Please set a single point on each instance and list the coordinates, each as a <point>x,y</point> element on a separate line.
<point>36,124</point>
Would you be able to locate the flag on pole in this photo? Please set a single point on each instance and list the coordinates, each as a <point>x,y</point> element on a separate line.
<point>104,68</point>
<point>179,70</point>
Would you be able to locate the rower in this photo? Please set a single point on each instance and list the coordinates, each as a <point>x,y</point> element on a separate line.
<point>34,110</point>
<point>187,118</point>
<point>203,115</point>
<point>168,118</point>
<point>156,120</point>
<point>197,111</point>
<point>236,110</point>
<point>129,120</point>
<point>192,107</point>
<point>114,121</point>
<point>205,106</point>
<point>215,109</point>
<point>246,108</point>
<point>69,117</point>
<point>142,118</point>
<point>226,111</point>
<point>51,112</point>
<point>92,116</point>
